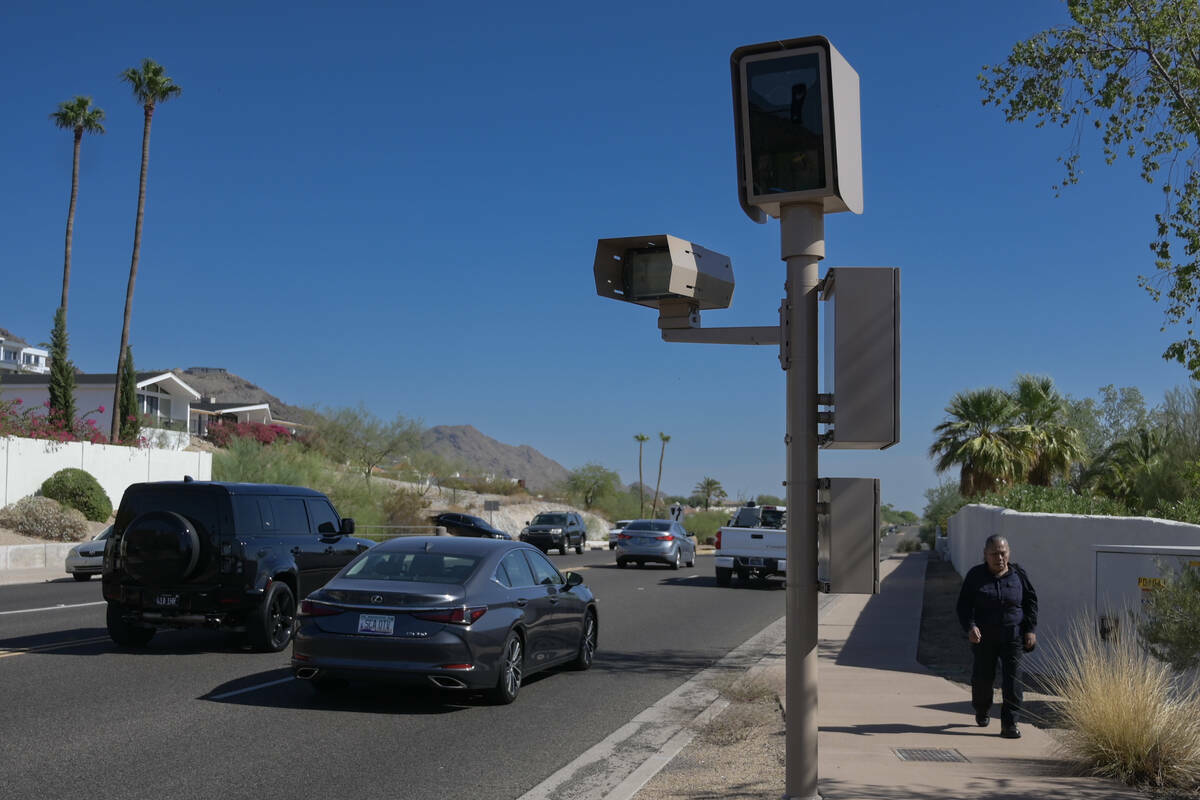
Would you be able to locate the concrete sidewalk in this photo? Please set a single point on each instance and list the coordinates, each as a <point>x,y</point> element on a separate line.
<point>876,700</point>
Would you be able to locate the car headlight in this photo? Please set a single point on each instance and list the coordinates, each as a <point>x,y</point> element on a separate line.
<point>556,530</point>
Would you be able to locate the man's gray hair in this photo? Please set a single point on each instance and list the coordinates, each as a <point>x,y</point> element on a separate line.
<point>995,540</point>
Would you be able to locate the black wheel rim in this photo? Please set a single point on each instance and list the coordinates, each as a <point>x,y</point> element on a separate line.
<point>281,616</point>
<point>512,667</point>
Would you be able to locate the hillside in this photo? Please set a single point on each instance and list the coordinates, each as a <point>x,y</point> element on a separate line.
<point>464,444</point>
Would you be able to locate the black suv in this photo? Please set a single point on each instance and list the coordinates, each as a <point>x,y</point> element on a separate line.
<point>556,530</point>
<point>231,555</point>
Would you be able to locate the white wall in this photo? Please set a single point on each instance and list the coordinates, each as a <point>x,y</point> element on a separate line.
<point>1057,551</point>
<point>26,463</point>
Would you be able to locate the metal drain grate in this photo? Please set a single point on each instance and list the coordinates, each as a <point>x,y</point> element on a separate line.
<point>927,754</point>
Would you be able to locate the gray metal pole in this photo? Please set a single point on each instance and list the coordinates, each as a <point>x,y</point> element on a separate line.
<point>802,246</point>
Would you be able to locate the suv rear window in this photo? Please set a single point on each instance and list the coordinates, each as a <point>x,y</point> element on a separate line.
<point>201,506</point>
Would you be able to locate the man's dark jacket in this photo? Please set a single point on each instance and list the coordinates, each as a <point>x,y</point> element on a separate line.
<point>991,602</point>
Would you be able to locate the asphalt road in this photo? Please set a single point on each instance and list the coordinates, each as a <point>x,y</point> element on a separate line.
<point>194,715</point>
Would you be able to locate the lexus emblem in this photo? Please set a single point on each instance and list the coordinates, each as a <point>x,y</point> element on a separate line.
<point>376,599</point>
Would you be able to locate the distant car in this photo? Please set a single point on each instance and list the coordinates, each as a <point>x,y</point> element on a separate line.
<point>556,530</point>
<point>87,558</point>
<point>615,531</point>
<point>467,525</point>
<point>659,541</point>
<point>465,614</point>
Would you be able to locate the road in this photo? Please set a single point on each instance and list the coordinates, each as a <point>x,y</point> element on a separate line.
<point>194,715</point>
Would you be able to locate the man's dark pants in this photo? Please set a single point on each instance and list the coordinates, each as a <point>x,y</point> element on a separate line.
<point>1002,644</point>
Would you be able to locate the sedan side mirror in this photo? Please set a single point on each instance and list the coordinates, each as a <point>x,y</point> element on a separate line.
<point>574,579</point>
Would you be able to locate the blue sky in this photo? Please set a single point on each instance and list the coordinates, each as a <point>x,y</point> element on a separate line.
<point>398,204</point>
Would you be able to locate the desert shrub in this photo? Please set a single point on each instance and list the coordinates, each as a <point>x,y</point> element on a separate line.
<point>703,524</point>
<point>1171,620</point>
<point>491,486</point>
<point>78,489</point>
<point>246,460</point>
<point>1052,500</point>
<point>1123,715</point>
<point>909,546</point>
<point>44,518</point>
<point>405,507</point>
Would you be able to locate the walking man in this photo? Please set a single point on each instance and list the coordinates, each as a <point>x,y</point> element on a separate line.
<point>997,608</point>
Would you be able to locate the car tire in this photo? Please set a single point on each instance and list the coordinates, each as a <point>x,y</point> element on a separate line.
<point>81,576</point>
<point>587,643</point>
<point>271,625</point>
<point>562,548</point>
<point>692,561</point>
<point>620,564</point>
<point>579,547</point>
<point>723,576</point>
<point>511,669</point>
<point>675,562</point>
<point>125,633</point>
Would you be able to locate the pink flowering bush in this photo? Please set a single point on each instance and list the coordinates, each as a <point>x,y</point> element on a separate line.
<point>30,424</point>
<point>222,431</point>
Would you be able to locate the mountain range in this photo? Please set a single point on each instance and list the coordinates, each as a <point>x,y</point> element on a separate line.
<point>458,444</point>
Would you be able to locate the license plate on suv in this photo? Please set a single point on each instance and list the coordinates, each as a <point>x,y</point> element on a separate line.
<point>381,624</point>
<point>167,600</point>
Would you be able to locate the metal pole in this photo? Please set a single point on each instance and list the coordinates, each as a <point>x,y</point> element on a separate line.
<point>802,246</point>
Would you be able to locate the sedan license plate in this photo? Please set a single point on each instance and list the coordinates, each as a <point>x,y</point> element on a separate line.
<point>376,623</point>
<point>167,600</point>
<point>644,540</point>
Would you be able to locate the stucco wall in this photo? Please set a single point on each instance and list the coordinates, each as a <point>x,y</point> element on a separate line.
<point>1058,552</point>
<point>26,463</point>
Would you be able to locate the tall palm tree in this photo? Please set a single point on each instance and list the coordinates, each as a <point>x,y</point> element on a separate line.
<point>79,116</point>
<point>657,483</point>
<point>980,438</point>
<point>151,86</point>
<point>641,439</point>
<point>1055,444</point>
<point>709,489</point>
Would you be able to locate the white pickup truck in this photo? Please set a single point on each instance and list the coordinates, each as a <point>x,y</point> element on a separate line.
<point>752,545</point>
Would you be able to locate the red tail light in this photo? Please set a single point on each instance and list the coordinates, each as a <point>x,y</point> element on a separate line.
<point>310,609</point>
<point>623,536</point>
<point>667,538</point>
<point>718,545</point>
<point>463,615</point>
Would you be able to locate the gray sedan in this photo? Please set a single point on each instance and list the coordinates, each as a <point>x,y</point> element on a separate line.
<point>657,541</point>
<point>456,613</point>
<point>87,558</point>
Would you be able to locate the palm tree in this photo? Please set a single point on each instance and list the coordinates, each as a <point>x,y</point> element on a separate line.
<point>980,438</point>
<point>151,86</point>
<point>1055,444</point>
<point>1130,467</point>
<point>657,483</point>
<point>641,439</point>
<point>79,116</point>
<point>709,488</point>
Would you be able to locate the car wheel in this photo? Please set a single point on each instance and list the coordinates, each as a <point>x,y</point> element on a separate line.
<point>512,667</point>
<point>562,548</point>
<point>579,547</point>
<point>81,576</point>
<point>692,561</point>
<point>675,562</point>
<point>271,625</point>
<point>587,644</point>
<point>123,632</point>
<point>620,564</point>
<point>723,575</point>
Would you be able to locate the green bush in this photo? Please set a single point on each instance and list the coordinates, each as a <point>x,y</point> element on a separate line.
<point>405,507</point>
<point>77,489</point>
<point>704,524</point>
<point>1171,620</point>
<point>44,518</point>
<point>1052,500</point>
<point>909,546</point>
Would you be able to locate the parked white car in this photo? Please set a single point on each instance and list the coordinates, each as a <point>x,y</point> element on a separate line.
<point>615,531</point>
<point>87,558</point>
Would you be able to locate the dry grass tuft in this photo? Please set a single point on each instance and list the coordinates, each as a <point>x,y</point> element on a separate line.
<point>736,723</point>
<point>1124,714</point>
<point>748,690</point>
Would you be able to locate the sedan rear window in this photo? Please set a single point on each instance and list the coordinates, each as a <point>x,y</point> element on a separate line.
<point>649,525</point>
<point>415,567</point>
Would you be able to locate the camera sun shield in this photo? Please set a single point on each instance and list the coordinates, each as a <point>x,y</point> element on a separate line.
<point>653,270</point>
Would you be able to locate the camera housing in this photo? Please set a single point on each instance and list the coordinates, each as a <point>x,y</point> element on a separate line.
<point>663,272</point>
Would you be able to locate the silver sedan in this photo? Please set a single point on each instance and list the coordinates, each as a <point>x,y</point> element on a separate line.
<point>657,541</point>
<point>87,558</point>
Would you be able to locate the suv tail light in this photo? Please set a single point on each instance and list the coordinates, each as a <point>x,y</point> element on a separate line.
<point>463,615</point>
<point>310,609</point>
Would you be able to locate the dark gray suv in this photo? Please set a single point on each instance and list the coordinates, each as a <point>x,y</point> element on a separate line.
<point>220,555</point>
<point>556,530</point>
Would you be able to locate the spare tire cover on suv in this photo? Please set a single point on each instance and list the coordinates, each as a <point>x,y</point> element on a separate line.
<point>160,547</point>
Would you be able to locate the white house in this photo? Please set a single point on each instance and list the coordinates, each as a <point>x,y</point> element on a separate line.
<point>18,355</point>
<point>164,400</point>
<point>205,412</point>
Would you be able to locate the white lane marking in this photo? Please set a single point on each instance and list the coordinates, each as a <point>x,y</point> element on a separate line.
<point>223,695</point>
<point>58,607</point>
